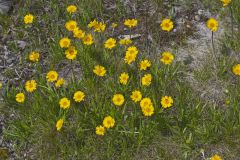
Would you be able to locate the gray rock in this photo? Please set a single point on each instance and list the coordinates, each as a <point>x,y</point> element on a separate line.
<point>197,18</point>
<point>5,6</point>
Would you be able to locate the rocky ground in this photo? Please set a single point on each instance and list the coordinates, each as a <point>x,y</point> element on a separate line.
<point>6,147</point>
<point>193,53</point>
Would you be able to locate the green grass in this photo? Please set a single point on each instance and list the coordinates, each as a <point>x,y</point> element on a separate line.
<point>192,126</point>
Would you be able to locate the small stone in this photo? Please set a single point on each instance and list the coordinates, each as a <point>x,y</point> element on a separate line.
<point>21,44</point>
<point>200,12</point>
<point>197,18</point>
<point>134,36</point>
<point>5,6</point>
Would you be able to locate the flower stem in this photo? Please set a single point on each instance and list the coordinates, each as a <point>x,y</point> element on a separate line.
<point>213,46</point>
<point>231,12</point>
<point>73,76</point>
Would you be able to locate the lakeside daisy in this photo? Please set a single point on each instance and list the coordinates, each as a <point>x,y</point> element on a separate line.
<point>71,53</point>
<point>130,23</point>
<point>71,9</point>
<point>123,78</point>
<point>166,101</point>
<point>144,64</point>
<point>28,19</point>
<point>79,96</point>
<point>100,130</point>
<point>88,39</point>
<point>226,2</point>
<point>167,25</point>
<point>52,76</point>
<point>108,122</point>
<point>20,97</point>
<point>59,124</point>
<point>71,25</point>
<point>118,99</point>
<point>65,42</point>
<point>167,58</point>
<point>148,110</point>
<point>110,43</point>
<point>30,86</point>
<point>60,82</point>
<point>216,157</point>
<point>34,56</point>
<point>212,24</point>
<point>236,69</point>
<point>64,103</point>
<point>146,79</point>
<point>99,70</point>
<point>136,96</point>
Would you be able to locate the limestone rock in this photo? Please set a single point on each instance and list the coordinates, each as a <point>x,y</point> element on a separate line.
<point>5,6</point>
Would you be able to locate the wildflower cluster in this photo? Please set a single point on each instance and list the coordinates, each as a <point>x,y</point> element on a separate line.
<point>87,38</point>
<point>122,79</point>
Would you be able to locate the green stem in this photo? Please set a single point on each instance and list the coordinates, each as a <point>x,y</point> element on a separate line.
<point>231,11</point>
<point>73,76</point>
<point>213,46</point>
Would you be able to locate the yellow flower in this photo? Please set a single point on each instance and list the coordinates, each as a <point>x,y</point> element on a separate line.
<point>114,25</point>
<point>98,26</point>
<point>132,50</point>
<point>88,39</point>
<point>130,23</point>
<point>28,19</point>
<point>216,157</point>
<point>166,102</point>
<point>52,76</point>
<point>118,99</point>
<point>212,24</point>
<point>146,79</point>
<point>92,23</point>
<point>59,124</point>
<point>64,103</point>
<point>226,2</point>
<point>108,122</point>
<point>136,96</point>
<point>110,43</point>
<point>144,64</point>
<point>145,102</point>
<point>236,69</point>
<point>78,96</point>
<point>99,70</point>
<point>131,54</point>
<point>78,33</point>
<point>30,85</point>
<point>65,42</point>
<point>34,56</point>
<point>71,25</point>
<point>148,110</point>
<point>1,85</point>
<point>71,9</point>
<point>59,82</point>
<point>125,41</point>
<point>100,130</point>
<point>167,58</point>
<point>129,58</point>
<point>20,97</point>
<point>123,78</point>
<point>167,25</point>
<point>227,102</point>
<point>71,53</point>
